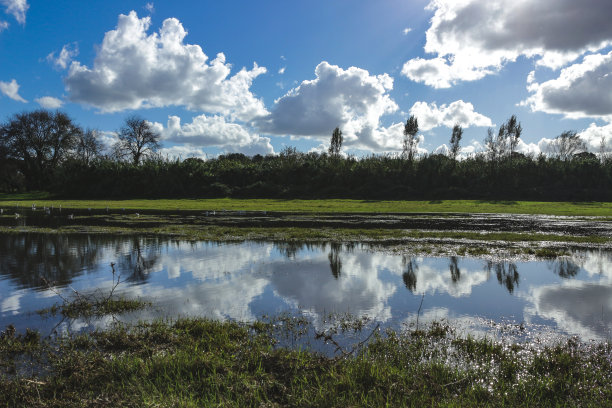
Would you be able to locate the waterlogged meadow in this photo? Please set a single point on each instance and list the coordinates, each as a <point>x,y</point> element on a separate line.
<point>251,323</point>
<point>245,281</point>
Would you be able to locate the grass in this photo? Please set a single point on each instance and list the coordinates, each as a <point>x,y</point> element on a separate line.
<point>85,307</point>
<point>396,236</point>
<point>320,206</point>
<point>199,362</point>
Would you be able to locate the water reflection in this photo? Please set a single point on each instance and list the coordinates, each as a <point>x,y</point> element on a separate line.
<point>409,276</point>
<point>565,268</point>
<point>245,280</point>
<point>27,259</point>
<point>335,263</point>
<point>506,272</point>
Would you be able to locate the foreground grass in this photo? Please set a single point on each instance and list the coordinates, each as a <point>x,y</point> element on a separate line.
<point>196,363</point>
<point>320,206</point>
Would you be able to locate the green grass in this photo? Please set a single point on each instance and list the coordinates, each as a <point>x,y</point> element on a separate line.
<point>222,233</point>
<point>321,206</point>
<point>87,307</point>
<point>201,363</point>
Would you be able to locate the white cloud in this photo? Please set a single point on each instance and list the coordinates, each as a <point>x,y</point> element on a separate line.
<point>3,25</point>
<point>458,112</point>
<point>135,70</point>
<point>214,131</point>
<point>49,102</point>
<point>471,39</point>
<point>438,74</point>
<point>65,57</point>
<point>182,152</point>
<point>581,90</point>
<point>150,7</point>
<point>11,89</point>
<point>17,8</point>
<point>407,30</point>
<point>442,149</point>
<point>593,134</point>
<point>282,70</point>
<point>351,99</point>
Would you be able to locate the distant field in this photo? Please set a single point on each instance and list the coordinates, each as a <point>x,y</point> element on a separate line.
<point>322,206</point>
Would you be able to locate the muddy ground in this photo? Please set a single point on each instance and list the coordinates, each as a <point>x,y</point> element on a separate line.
<point>571,226</point>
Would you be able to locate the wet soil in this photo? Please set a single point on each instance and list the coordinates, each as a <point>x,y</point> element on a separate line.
<point>45,218</point>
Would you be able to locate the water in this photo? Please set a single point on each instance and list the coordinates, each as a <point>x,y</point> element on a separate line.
<point>245,281</point>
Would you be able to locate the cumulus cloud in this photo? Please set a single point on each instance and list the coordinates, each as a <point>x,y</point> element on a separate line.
<point>134,70</point>
<point>351,99</point>
<point>565,305</point>
<point>458,112</point>
<point>3,25</point>
<point>471,39</point>
<point>282,70</point>
<point>49,102</point>
<point>65,56</point>
<point>206,131</point>
<point>581,90</point>
<point>11,89</point>
<point>17,8</point>
<point>593,135</point>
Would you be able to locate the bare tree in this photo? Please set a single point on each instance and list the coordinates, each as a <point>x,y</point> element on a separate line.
<point>455,140</point>
<point>410,140</point>
<point>336,142</point>
<point>567,144</point>
<point>512,129</point>
<point>137,140</point>
<point>495,145</point>
<point>604,155</point>
<point>88,147</point>
<point>506,141</point>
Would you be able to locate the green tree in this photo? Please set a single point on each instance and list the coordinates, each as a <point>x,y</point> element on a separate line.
<point>40,141</point>
<point>335,143</point>
<point>410,140</point>
<point>137,140</point>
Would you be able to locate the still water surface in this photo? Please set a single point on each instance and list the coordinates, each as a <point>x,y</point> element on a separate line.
<point>247,280</point>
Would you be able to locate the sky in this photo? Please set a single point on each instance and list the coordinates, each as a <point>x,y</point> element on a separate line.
<point>255,77</point>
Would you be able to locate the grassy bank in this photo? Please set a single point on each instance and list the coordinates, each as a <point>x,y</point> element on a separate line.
<point>194,363</point>
<point>320,206</point>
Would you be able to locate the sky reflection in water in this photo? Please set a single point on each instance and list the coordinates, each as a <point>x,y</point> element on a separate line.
<point>244,281</point>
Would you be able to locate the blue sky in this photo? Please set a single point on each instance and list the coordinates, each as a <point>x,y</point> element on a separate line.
<point>254,77</point>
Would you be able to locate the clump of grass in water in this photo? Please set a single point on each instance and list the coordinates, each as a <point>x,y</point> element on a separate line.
<point>81,305</point>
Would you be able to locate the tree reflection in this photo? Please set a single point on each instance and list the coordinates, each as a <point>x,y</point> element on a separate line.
<point>565,268</point>
<point>290,249</point>
<point>454,269</point>
<point>140,259</point>
<point>506,272</point>
<point>30,259</point>
<point>335,263</point>
<point>409,276</point>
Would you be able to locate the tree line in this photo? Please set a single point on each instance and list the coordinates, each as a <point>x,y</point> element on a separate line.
<point>44,150</point>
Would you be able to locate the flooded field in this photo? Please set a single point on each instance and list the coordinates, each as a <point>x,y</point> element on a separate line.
<point>568,295</point>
